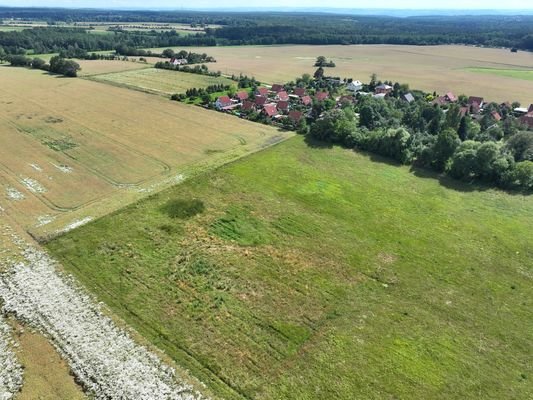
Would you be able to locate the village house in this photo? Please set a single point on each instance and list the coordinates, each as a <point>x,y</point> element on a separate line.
<point>178,61</point>
<point>270,110</point>
<point>276,88</point>
<point>496,115</point>
<point>260,100</point>
<point>354,86</point>
<point>346,99</point>
<point>527,120</point>
<point>383,88</point>
<point>282,96</point>
<point>300,92</point>
<point>476,102</point>
<point>306,100</point>
<point>248,105</point>
<point>261,91</point>
<point>408,97</point>
<point>223,102</point>
<point>464,111</point>
<point>321,96</point>
<point>295,116</point>
<point>241,96</point>
<point>283,105</point>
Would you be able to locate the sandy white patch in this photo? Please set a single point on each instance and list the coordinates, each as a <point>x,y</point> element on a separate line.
<point>43,220</point>
<point>75,224</point>
<point>10,369</point>
<point>14,194</point>
<point>103,357</point>
<point>36,167</point>
<point>33,186</point>
<point>174,180</point>
<point>63,168</point>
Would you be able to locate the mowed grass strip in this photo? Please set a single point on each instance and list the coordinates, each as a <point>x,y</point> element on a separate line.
<point>161,81</point>
<point>306,272</point>
<point>511,73</point>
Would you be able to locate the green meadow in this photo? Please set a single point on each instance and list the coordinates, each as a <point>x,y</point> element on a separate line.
<point>308,272</point>
<point>510,73</point>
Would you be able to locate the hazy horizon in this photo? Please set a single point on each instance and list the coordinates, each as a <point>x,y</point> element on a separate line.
<point>451,5</point>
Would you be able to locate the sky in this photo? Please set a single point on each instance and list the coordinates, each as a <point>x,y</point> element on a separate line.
<point>187,4</point>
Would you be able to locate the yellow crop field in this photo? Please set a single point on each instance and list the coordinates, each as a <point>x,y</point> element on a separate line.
<point>74,149</point>
<point>161,81</point>
<point>430,68</point>
<point>97,67</point>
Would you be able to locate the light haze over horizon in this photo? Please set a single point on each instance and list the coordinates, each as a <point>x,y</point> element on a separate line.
<point>210,4</point>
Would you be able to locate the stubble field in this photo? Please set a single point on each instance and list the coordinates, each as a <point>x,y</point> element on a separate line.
<point>431,68</point>
<point>73,149</point>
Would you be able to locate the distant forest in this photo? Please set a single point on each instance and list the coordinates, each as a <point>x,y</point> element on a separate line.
<point>261,29</point>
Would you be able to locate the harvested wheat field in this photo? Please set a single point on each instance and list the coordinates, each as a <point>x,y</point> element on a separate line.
<point>161,81</point>
<point>431,68</point>
<point>73,149</point>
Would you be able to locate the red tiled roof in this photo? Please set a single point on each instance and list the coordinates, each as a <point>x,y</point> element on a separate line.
<point>271,110</point>
<point>283,105</point>
<point>320,96</point>
<point>450,96</point>
<point>247,105</point>
<point>527,119</point>
<point>347,99</point>
<point>295,115</point>
<point>473,99</point>
<point>260,100</point>
<point>283,96</point>
<point>277,87</point>
<point>262,91</point>
<point>242,95</point>
<point>496,115</point>
<point>299,91</point>
<point>307,100</point>
<point>463,111</point>
<point>224,100</point>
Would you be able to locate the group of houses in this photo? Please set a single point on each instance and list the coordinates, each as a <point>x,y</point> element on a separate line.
<point>278,103</point>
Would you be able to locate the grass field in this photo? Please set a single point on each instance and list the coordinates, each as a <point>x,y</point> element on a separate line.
<point>74,149</point>
<point>511,73</point>
<point>161,81</point>
<point>431,68</point>
<point>305,272</point>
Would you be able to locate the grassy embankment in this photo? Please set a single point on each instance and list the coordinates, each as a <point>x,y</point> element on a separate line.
<point>305,272</point>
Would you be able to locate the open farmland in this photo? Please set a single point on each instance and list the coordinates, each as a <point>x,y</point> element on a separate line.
<point>74,149</point>
<point>161,81</point>
<point>98,67</point>
<point>430,68</point>
<point>309,272</point>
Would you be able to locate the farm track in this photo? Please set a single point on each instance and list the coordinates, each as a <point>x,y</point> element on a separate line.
<point>103,357</point>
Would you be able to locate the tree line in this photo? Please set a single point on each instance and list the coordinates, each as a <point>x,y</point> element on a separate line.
<point>57,65</point>
<point>276,28</point>
<point>498,152</point>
